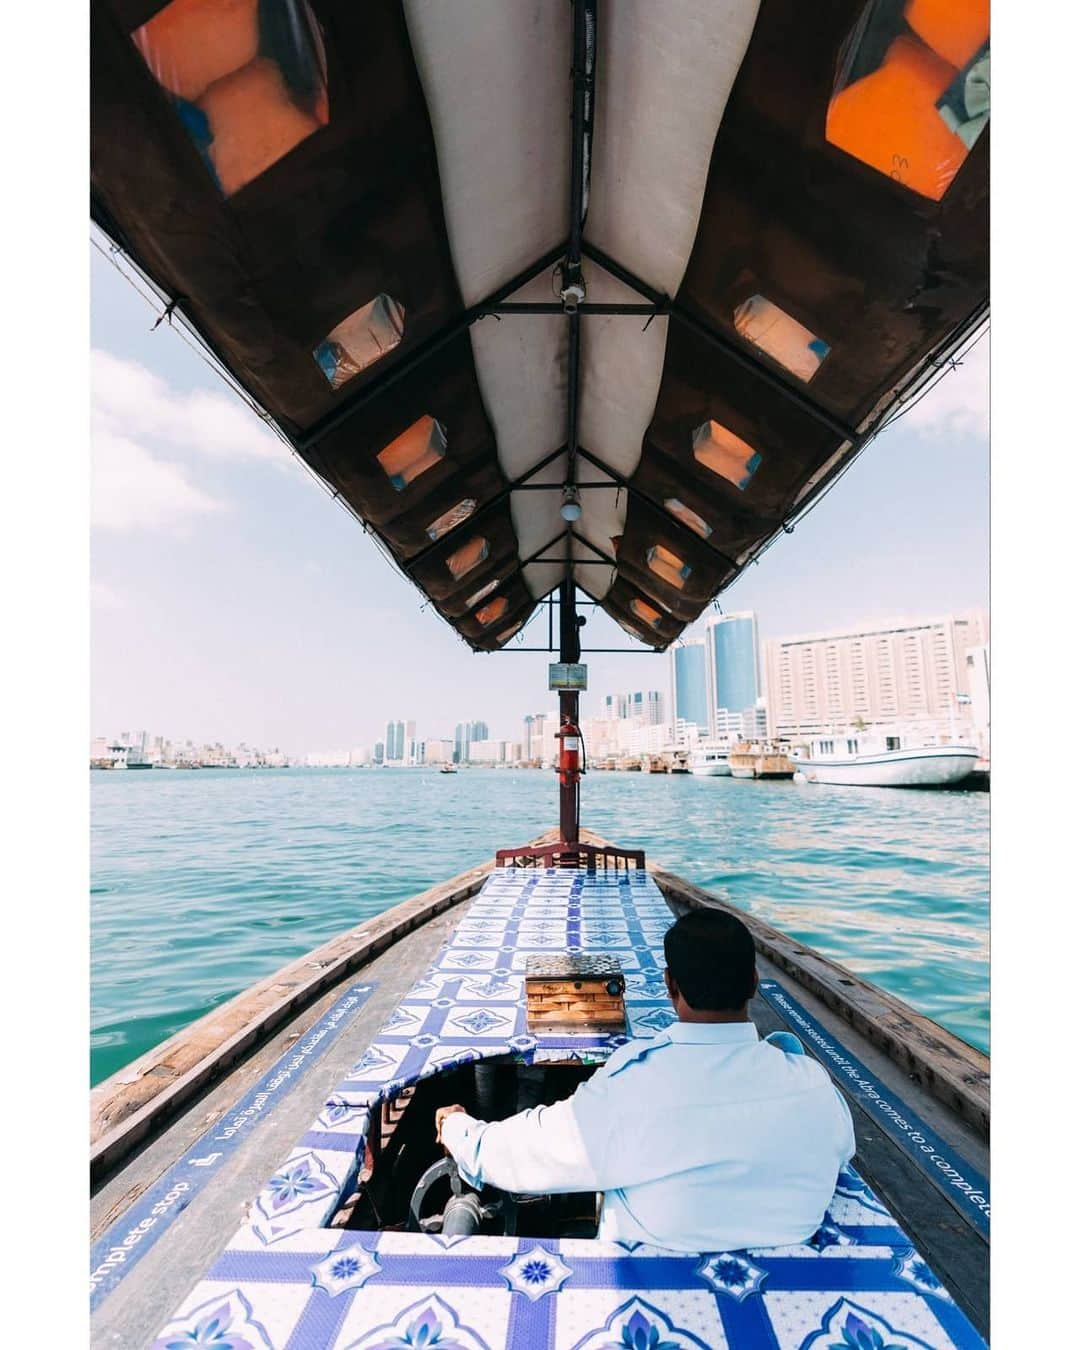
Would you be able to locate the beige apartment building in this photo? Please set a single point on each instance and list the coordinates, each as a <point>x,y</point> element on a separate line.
<point>894,673</point>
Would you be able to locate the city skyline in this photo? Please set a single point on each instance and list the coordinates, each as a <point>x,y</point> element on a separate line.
<point>904,670</point>
<point>227,586</point>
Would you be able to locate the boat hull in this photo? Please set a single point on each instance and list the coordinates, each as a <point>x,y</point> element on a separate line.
<point>248,1037</point>
<point>713,769</point>
<point>932,766</point>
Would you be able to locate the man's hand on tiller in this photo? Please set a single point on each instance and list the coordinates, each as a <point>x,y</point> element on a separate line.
<point>440,1116</point>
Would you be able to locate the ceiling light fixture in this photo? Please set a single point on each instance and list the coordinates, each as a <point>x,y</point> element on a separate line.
<point>571,507</point>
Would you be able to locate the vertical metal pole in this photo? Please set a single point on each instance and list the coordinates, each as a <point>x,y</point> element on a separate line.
<point>583,45</point>
<point>569,702</point>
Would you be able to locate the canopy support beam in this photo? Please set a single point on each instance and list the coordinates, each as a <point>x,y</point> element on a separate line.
<point>582,109</point>
<point>666,305</point>
<point>513,486</point>
<point>621,481</point>
<point>306,440</point>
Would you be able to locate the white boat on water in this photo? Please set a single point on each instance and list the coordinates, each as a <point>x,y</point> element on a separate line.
<point>858,761</point>
<point>710,761</point>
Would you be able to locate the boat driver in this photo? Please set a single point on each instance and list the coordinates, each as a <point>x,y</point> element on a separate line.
<point>704,1138</point>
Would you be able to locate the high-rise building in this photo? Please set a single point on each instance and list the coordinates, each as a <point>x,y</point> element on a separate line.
<point>401,742</point>
<point>881,675</point>
<point>538,736</point>
<point>734,668</point>
<point>379,753</point>
<point>487,751</point>
<point>690,684</point>
<point>644,708</point>
<point>464,735</point>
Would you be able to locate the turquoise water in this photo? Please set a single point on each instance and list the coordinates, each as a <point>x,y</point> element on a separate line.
<point>204,882</point>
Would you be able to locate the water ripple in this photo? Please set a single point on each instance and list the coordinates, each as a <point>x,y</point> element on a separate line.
<point>205,882</point>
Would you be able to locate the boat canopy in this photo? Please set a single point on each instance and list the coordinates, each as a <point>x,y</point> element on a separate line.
<point>601,289</point>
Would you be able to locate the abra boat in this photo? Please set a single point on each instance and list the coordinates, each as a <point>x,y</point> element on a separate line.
<point>761,759</point>
<point>375,224</point>
<point>710,761</point>
<point>865,762</point>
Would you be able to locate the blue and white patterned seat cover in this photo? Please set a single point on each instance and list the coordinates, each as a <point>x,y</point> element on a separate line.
<point>287,1282</point>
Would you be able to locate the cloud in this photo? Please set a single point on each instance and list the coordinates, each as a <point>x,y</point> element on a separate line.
<point>959,404</point>
<point>135,415</point>
<point>138,403</point>
<point>132,490</point>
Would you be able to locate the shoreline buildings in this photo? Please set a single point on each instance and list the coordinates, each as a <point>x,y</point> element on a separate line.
<point>930,675</point>
<point>645,707</point>
<point>900,672</point>
<point>465,733</point>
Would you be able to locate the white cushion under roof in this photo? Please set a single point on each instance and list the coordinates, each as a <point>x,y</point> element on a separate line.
<point>496,77</point>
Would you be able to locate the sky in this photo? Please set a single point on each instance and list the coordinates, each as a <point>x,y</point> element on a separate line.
<point>232,599</point>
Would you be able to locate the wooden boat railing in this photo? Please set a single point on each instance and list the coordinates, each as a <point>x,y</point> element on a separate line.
<point>563,854</point>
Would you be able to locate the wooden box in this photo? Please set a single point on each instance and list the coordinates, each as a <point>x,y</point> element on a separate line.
<point>569,992</point>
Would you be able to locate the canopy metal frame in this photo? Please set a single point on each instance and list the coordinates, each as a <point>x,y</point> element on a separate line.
<point>568,257</point>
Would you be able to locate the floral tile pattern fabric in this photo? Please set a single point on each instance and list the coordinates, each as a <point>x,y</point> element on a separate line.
<point>288,1279</point>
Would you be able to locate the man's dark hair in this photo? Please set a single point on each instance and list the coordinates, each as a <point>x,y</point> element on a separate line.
<point>711,957</point>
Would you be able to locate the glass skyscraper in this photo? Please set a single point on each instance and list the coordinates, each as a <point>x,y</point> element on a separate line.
<point>690,683</point>
<point>464,735</point>
<point>734,660</point>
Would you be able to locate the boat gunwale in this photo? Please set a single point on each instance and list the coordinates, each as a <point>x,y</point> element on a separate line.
<point>123,1115</point>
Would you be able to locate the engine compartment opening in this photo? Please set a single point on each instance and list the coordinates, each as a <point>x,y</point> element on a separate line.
<point>407,1181</point>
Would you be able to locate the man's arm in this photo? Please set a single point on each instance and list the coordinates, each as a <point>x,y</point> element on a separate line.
<point>539,1151</point>
<point>589,1142</point>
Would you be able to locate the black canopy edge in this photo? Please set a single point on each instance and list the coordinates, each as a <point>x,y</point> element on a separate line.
<point>898,286</point>
<point>151,196</point>
<point>892,283</point>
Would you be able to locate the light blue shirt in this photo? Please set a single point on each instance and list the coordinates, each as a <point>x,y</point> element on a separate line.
<point>701,1139</point>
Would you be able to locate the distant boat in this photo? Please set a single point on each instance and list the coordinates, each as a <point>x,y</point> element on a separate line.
<point>448,768</point>
<point>760,759</point>
<point>883,762</point>
<point>710,761</point>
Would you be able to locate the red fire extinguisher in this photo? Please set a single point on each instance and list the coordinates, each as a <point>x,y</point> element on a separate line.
<point>569,738</point>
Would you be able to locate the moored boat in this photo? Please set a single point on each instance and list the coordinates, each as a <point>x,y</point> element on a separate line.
<point>761,759</point>
<point>710,761</point>
<point>855,762</point>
